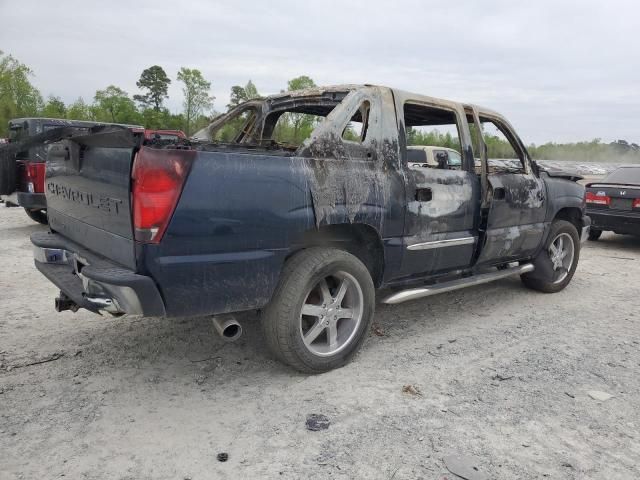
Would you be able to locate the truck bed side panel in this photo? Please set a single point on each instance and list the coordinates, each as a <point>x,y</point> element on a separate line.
<point>230,233</point>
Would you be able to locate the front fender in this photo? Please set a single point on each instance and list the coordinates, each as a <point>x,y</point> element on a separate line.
<point>563,193</point>
<point>566,201</point>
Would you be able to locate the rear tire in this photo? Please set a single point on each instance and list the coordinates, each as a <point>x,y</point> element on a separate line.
<point>594,234</point>
<point>39,216</point>
<point>321,311</point>
<point>557,261</point>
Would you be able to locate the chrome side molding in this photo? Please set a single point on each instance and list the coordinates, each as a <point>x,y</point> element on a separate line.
<point>452,242</point>
<point>413,293</point>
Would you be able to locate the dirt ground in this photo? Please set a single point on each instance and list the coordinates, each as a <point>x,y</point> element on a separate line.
<point>502,374</point>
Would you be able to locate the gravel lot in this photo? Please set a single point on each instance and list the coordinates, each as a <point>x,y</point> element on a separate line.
<point>502,375</point>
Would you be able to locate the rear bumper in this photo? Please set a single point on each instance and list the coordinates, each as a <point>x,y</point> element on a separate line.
<point>619,222</point>
<point>32,201</point>
<point>93,282</point>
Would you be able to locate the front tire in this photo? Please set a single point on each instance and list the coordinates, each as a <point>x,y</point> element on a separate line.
<point>557,261</point>
<point>38,215</point>
<point>321,310</point>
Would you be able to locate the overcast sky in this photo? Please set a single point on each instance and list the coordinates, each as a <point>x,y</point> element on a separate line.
<point>559,70</point>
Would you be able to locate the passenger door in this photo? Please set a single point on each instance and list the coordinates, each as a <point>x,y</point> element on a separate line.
<point>442,203</point>
<point>516,195</point>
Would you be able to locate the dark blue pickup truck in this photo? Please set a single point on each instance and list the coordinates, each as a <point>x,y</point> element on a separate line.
<point>303,233</point>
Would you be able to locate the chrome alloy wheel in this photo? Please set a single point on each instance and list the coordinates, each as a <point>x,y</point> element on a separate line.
<point>331,314</point>
<point>561,253</point>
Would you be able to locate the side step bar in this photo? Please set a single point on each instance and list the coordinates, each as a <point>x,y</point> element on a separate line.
<point>413,293</point>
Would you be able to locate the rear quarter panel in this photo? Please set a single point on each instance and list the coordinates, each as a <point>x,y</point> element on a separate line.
<point>227,240</point>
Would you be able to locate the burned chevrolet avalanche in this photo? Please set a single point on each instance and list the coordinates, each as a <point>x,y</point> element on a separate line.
<point>304,233</point>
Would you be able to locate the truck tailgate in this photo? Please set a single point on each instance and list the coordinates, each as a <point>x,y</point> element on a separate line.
<point>88,180</point>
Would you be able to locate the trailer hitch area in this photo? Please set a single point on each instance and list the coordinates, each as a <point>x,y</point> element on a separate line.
<point>63,302</point>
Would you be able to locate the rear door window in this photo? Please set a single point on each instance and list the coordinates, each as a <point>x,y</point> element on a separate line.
<point>430,126</point>
<point>356,129</point>
<point>503,153</point>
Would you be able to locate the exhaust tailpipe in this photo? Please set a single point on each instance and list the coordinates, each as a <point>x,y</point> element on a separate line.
<point>227,327</point>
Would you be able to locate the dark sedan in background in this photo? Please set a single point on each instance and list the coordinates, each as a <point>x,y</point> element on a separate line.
<point>614,203</point>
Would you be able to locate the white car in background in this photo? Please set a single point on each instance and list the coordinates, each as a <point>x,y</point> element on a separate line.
<point>434,157</point>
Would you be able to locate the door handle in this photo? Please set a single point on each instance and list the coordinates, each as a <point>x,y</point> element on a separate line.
<point>498,193</point>
<point>423,194</point>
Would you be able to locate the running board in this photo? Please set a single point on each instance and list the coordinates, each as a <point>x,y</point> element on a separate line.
<point>413,293</point>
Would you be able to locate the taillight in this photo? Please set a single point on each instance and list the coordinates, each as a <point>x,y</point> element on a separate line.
<point>157,177</point>
<point>636,203</point>
<point>35,177</point>
<point>599,198</point>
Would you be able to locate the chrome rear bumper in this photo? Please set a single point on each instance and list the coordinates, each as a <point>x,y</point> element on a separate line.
<point>93,282</point>
<point>90,296</point>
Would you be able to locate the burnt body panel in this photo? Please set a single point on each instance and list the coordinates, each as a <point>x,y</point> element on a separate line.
<point>442,206</point>
<point>239,217</point>
<point>447,210</point>
<point>242,214</point>
<point>563,194</point>
<point>516,219</point>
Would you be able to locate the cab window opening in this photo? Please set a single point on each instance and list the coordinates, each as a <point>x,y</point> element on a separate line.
<point>356,129</point>
<point>432,137</point>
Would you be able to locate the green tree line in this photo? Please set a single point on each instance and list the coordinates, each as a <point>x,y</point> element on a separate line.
<point>19,98</point>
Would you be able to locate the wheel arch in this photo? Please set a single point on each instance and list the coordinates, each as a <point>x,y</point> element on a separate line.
<point>359,239</point>
<point>572,215</point>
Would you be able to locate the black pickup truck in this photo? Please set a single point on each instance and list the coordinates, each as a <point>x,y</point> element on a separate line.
<point>303,233</point>
<point>22,161</point>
